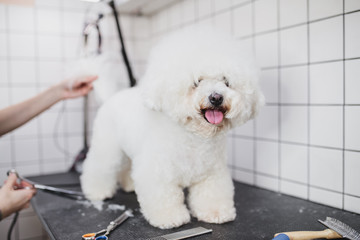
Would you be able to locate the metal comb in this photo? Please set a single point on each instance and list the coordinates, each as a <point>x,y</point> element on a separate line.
<point>183,234</point>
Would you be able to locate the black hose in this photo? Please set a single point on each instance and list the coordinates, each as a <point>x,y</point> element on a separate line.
<point>123,50</point>
<point>12,225</point>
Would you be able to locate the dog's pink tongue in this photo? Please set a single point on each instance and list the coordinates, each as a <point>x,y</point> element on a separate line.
<point>214,116</point>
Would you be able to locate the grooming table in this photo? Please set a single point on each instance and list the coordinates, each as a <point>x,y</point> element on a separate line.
<point>260,214</point>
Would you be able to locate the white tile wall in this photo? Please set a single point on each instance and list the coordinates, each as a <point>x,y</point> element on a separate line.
<point>21,19</point>
<point>266,47</point>
<point>325,8</point>
<point>352,35</point>
<point>352,84</point>
<point>294,45</point>
<point>309,57</point>
<point>331,76</point>
<point>243,176</point>
<point>294,164</point>
<point>326,197</point>
<point>23,72</point>
<point>352,130</point>
<point>326,40</point>
<point>267,155</point>
<point>352,5</point>
<point>267,123</point>
<point>294,85</point>
<point>48,21</point>
<point>242,21</point>
<point>21,45</point>
<point>269,81</point>
<point>326,126</point>
<point>265,15</point>
<point>294,124</point>
<point>244,153</point>
<point>294,189</point>
<point>352,177</point>
<point>292,12</point>
<point>326,168</point>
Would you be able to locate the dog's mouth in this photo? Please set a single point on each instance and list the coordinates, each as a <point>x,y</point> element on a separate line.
<point>214,115</point>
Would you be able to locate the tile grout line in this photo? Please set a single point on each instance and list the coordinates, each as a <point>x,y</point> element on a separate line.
<point>343,111</point>
<point>308,98</point>
<point>279,95</point>
<point>293,181</point>
<point>254,125</point>
<point>37,77</point>
<point>295,143</point>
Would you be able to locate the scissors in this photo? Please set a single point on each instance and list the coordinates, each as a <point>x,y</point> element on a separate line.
<point>102,234</point>
<point>77,195</point>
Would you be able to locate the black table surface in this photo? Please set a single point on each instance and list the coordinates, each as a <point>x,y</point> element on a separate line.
<point>260,214</point>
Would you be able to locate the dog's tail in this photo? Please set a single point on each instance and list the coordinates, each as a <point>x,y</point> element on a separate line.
<point>109,69</point>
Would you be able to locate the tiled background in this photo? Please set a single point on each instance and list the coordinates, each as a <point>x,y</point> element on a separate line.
<point>306,140</point>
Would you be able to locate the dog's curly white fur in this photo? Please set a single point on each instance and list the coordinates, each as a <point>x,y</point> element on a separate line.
<point>169,133</point>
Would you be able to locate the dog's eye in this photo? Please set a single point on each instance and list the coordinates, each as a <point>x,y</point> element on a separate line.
<point>196,83</point>
<point>226,81</point>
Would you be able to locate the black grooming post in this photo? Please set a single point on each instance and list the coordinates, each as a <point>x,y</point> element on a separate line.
<point>123,51</point>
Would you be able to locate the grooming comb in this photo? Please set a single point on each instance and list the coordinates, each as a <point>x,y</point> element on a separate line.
<point>183,234</point>
<point>336,229</point>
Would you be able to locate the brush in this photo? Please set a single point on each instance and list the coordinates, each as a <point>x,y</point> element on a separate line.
<point>337,229</point>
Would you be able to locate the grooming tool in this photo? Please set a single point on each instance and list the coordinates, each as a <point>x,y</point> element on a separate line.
<point>341,228</point>
<point>183,234</point>
<point>77,195</point>
<point>102,234</point>
<point>336,229</point>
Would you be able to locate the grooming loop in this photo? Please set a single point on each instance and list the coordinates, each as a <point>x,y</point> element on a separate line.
<point>102,234</point>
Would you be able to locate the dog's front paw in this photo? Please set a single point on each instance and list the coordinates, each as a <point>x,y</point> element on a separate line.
<point>95,195</point>
<point>216,215</point>
<point>96,191</point>
<point>169,219</point>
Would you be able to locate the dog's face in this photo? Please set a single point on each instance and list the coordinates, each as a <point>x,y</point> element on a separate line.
<point>208,90</point>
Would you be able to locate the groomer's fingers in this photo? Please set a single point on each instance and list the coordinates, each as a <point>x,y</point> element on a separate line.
<point>26,205</point>
<point>25,184</point>
<point>83,81</point>
<point>11,181</point>
<point>23,197</point>
<point>80,91</point>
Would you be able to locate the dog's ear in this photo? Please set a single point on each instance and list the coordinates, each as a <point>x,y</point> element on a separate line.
<point>258,100</point>
<point>252,100</point>
<point>152,90</point>
<point>152,98</point>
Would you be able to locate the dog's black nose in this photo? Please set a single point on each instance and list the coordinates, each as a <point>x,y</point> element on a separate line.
<point>216,99</point>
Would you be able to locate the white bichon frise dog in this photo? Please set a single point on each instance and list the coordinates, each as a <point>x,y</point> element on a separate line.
<point>169,133</point>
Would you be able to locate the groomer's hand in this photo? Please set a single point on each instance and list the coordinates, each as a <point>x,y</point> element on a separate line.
<point>76,87</point>
<point>14,200</point>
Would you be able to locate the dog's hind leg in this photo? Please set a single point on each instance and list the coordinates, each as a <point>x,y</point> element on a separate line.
<point>124,176</point>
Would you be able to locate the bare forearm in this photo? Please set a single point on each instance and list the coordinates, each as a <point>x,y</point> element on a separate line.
<point>16,115</point>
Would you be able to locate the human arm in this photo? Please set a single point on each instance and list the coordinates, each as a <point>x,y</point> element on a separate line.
<point>16,115</point>
<point>12,200</point>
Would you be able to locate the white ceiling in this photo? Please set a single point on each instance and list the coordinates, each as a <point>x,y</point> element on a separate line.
<point>142,7</point>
